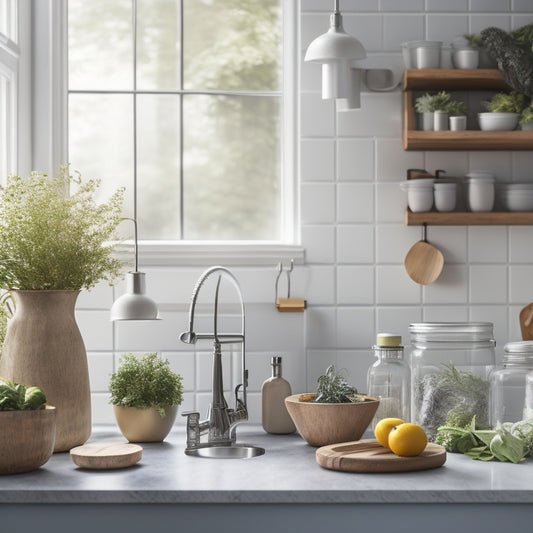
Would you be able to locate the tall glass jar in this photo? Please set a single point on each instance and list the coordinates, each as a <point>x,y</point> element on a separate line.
<point>388,379</point>
<point>508,383</point>
<point>450,367</point>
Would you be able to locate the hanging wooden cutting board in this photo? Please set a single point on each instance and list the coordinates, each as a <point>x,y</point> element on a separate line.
<point>98,456</point>
<point>369,456</point>
<point>526,322</point>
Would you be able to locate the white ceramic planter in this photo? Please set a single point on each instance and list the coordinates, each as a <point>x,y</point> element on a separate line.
<point>466,58</point>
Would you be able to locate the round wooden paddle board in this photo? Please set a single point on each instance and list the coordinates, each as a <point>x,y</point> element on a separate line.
<point>106,456</point>
<point>369,456</point>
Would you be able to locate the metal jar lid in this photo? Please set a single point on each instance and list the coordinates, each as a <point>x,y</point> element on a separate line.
<point>524,347</point>
<point>452,331</point>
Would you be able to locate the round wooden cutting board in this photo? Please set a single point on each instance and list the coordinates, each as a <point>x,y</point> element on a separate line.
<point>106,456</point>
<point>369,456</point>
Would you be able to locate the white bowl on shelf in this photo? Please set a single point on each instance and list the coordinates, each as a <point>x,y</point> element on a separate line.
<point>498,121</point>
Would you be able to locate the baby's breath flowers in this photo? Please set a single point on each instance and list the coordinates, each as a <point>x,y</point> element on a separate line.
<point>53,234</point>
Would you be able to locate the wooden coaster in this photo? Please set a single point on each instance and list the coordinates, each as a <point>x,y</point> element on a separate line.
<point>98,456</point>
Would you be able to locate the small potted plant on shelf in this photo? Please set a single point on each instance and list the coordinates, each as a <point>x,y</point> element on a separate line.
<point>145,394</point>
<point>435,109</point>
<point>28,428</point>
<point>335,413</point>
<point>504,110</point>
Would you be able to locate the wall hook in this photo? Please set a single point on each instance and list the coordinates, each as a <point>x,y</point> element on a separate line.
<point>288,304</point>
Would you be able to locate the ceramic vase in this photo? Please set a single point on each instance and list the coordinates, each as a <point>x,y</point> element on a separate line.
<point>43,347</point>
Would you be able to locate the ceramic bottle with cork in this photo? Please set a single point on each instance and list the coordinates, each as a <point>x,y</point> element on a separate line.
<point>275,417</point>
<point>388,378</point>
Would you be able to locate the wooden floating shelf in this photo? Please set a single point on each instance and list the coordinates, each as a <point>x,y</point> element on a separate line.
<point>452,79</point>
<point>491,218</point>
<point>468,140</point>
<point>456,79</point>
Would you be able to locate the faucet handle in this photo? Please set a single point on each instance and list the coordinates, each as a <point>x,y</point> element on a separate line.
<point>193,428</point>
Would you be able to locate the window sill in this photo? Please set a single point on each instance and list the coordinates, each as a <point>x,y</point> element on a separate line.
<point>163,253</point>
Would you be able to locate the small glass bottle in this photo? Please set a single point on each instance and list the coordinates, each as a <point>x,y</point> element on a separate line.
<point>388,379</point>
<point>508,383</point>
<point>275,417</point>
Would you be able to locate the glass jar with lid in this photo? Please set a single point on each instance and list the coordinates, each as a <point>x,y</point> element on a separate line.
<point>450,367</point>
<point>388,379</point>
<point>508,383</point>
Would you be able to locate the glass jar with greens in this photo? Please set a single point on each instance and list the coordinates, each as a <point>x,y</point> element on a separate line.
<point>450,367</point>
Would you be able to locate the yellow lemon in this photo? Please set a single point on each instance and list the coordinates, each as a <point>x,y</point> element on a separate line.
<point>407,440</point>
<point>384,427</point>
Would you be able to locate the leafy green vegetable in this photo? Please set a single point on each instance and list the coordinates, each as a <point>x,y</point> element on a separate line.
<point>507,442</point>
<point>16,397</point>
<point>145,382</point>
<point>333,388</point>
<point>34,399</point>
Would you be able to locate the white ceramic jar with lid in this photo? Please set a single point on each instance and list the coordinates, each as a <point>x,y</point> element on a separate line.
<point>481,191</point>
<point>419,194</point>
<point>450,367</point>
<point>508,383</point>
<point>388,378</point>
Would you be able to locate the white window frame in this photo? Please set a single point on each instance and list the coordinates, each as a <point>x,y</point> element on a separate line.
<point>51,121</point>
<point>15,77</point>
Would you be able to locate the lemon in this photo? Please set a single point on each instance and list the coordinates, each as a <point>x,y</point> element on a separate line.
<point>384,427</point>
<point>407,440</point>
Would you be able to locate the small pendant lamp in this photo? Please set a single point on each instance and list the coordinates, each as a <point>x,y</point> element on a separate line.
<point>134,304</point>
<point>337,50</point>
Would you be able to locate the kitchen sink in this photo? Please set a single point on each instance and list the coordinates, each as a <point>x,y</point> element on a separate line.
<point>235,451</point>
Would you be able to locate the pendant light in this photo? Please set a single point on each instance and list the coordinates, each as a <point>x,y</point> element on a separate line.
<point>134,304</point>
<point>336,50</point>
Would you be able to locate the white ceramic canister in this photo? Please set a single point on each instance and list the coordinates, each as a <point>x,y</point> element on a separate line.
<point>466,58</point>
<point>481,191</point>
<point>419,194</point>
<point>458,123</point>
<point>428,56</point>
<point>440,121</point>
<point>445,197</point>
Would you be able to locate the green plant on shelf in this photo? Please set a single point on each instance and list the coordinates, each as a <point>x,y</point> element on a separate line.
<point>512,102</point>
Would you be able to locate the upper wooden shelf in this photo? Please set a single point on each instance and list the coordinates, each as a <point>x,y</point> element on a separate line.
<point>492,218</point>
<point>456,79</point>
<point>452,79</point>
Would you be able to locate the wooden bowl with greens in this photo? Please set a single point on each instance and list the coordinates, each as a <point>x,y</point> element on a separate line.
<point>335,413</point>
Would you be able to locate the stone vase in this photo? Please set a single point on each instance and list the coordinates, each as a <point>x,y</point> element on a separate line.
<point>43,347</point>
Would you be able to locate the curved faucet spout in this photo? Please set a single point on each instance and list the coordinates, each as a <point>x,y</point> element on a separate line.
<point>221,422</point>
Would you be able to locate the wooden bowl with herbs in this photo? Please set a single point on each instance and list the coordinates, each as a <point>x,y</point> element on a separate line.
<point>28,428</point>
<point>335,413</point>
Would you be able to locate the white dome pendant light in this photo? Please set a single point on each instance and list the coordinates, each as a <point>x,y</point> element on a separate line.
<point>337,50</point>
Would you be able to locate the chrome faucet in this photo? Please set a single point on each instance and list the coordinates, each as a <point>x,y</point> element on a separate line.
<point>221,422</point>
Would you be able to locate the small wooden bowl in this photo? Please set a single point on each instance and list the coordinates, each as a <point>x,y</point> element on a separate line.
<point>27,439</point>
<point>321,424</point>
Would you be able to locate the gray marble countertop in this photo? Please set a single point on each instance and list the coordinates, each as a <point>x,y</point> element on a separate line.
<point>287,473</point>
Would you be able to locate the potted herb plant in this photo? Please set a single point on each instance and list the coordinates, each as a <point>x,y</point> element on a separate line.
<point>54,242</point>
<point>435,109</point>
<point>28,428</point>
<point>335,413</point>
<point>145,394</point>
<point>504,110</point>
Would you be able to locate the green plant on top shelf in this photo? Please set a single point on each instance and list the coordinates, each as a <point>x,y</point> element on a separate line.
<point>441,101</point>
<point>474,40</point>
<point>513,102</point>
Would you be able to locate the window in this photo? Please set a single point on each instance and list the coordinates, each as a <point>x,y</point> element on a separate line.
<point>185,104</point>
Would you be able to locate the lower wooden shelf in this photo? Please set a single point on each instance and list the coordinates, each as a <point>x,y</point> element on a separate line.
<point>492,218</point>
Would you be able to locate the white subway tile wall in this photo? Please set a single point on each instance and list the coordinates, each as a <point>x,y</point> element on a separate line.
<point>353,231</point>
